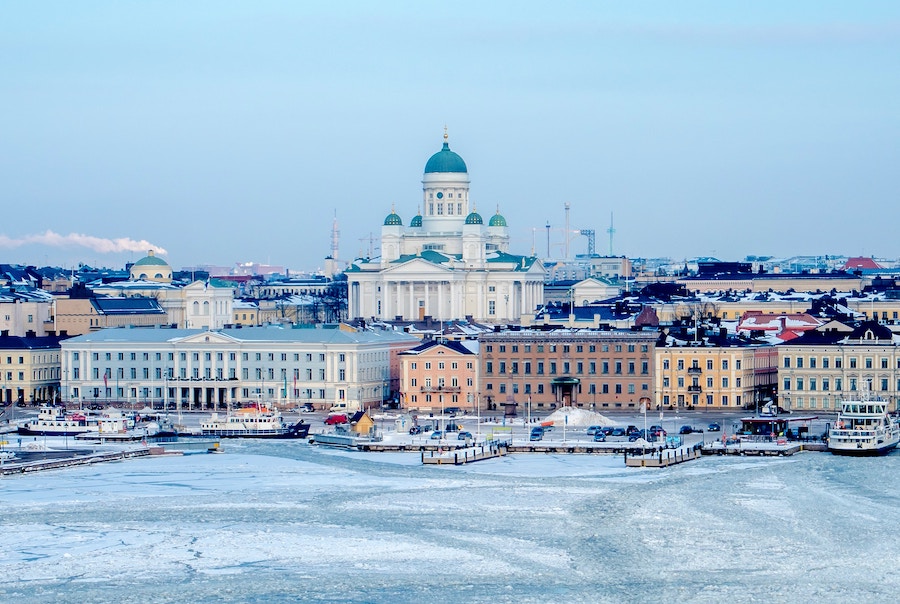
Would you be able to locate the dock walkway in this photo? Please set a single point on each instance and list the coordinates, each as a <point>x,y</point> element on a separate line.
<point>458,457</point>
<point>663,458</point>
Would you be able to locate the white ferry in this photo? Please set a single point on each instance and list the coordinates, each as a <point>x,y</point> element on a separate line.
<point>56,421</point>
<point>864,427</point>
<point>253,422</point>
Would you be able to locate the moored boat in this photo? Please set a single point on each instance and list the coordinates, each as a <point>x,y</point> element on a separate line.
<point>55,421</point>
<point>258,421</point>
<point>864,427</point>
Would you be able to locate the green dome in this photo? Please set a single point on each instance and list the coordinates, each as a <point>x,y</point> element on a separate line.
<point>416,221</point>
<point>393,220</point>
<point>474,218</point>
<point>445,160</point>
<point>151,260</point>
<point>497,220</point>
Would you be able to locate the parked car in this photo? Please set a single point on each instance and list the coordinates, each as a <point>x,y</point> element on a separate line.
<point>714,427</point>
<point>536,433</point>
<point>452,411</point>
<point>464,435</point>
<point>607,430</point>
<point>631,430</point>
<point>686,429</point>
<point>618,432</point>
<point>307,408</point>
<point>415,430</point>
<point>335,419</point>
<point>593,430</point>
<point>658,430</point>
<point>436,435</point>
<point>599,437</point>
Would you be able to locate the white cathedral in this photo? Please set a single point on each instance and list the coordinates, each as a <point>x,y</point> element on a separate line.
<point>447,264</point>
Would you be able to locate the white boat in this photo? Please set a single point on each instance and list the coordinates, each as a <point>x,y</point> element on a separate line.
<point>56,421</point>
<point>864,427</point>
<point>253,422</point>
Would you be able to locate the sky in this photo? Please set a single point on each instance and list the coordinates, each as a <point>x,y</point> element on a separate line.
<point>218,132</point>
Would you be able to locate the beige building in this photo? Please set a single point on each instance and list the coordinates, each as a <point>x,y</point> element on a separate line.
<point>836,362</point>
<point>76,316</point>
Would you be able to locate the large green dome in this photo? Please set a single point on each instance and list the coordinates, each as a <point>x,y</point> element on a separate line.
<point>416,221</point>
<point>474,218</point>
<point>151,260</point>
<point>497,220</point>
<point>445,160</point>
<point>393,219</point>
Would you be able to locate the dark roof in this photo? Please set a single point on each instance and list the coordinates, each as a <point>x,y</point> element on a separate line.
<point>30,342</point>
<point>128,306</point>
<point>450,344</point>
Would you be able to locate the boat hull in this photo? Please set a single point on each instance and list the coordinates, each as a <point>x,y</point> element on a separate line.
<point>26,431</point>
<point>299,430</point>
<point>863,451</point>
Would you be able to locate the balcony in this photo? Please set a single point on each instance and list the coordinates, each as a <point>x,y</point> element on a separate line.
<point>450,389</point>
<point>694,389</point>
<point>696,370</point>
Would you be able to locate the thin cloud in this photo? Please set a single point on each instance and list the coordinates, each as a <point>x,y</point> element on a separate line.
<point>97,244</point>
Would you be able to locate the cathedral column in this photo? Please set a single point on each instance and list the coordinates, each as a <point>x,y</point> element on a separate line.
<point>399,310</point>
<point>427,305</point>
<point>385,299</point>
<point>413,314</point>
<point>441,300</point>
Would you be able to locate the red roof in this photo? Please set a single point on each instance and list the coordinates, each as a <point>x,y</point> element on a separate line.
<point>859,262</point>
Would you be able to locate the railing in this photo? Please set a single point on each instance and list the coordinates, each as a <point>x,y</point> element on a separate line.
<point>695,370</point>
<point>451,389</point>
<point>694,389</point>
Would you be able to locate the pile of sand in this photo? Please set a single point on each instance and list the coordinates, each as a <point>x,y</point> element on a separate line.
<point>578,418</point>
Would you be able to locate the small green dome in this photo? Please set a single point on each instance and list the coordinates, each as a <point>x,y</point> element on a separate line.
<point>497,220</point>
<point>416,221</point>
<point>445,160</point>
<point>474,218</point>
<point>393,219</point>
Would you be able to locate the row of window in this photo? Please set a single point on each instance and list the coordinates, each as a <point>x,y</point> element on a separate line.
<point>232,356</point>
<point>679,365</point>
<point>709,382</point>
<point>591,388</point>
<point>826,362</point>
<point>695,400</point>
<point>812,384</point>
<point>440,365</point>
<point>606,367</point>
<point>565,348</point>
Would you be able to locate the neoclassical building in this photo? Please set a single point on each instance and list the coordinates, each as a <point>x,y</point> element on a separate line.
<point>448,263</point>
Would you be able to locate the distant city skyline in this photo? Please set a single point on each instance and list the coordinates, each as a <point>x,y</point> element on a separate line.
<point>228,132</point>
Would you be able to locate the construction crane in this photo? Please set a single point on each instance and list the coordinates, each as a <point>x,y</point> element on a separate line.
<point>590,234</point>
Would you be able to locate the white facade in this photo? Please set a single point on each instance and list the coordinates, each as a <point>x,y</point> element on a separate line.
<point>196,306</point>
<point>206,369</point>
<point>447,264</point>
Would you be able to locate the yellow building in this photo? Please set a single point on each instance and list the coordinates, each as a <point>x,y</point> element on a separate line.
<point>29,369</point>
<point>819,369</point>
<point>700,375</point>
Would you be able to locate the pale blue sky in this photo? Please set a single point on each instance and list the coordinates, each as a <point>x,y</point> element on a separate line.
<point>233,131</point>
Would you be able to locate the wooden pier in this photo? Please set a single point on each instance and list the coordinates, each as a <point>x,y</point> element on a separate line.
<point>663,458</point>
<point>458,457</point>
<point>55,463</point>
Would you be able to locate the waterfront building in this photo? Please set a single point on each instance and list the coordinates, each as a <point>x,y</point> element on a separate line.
<point>438,374</point>
<point>29,368</point>
<point>715,371</point>
<point>598,369</point>
<point>199,368</point>
<point>836,361</point>
<point>447,263</point>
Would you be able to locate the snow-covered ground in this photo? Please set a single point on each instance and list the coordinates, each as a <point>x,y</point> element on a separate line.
<point>279,522</point>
